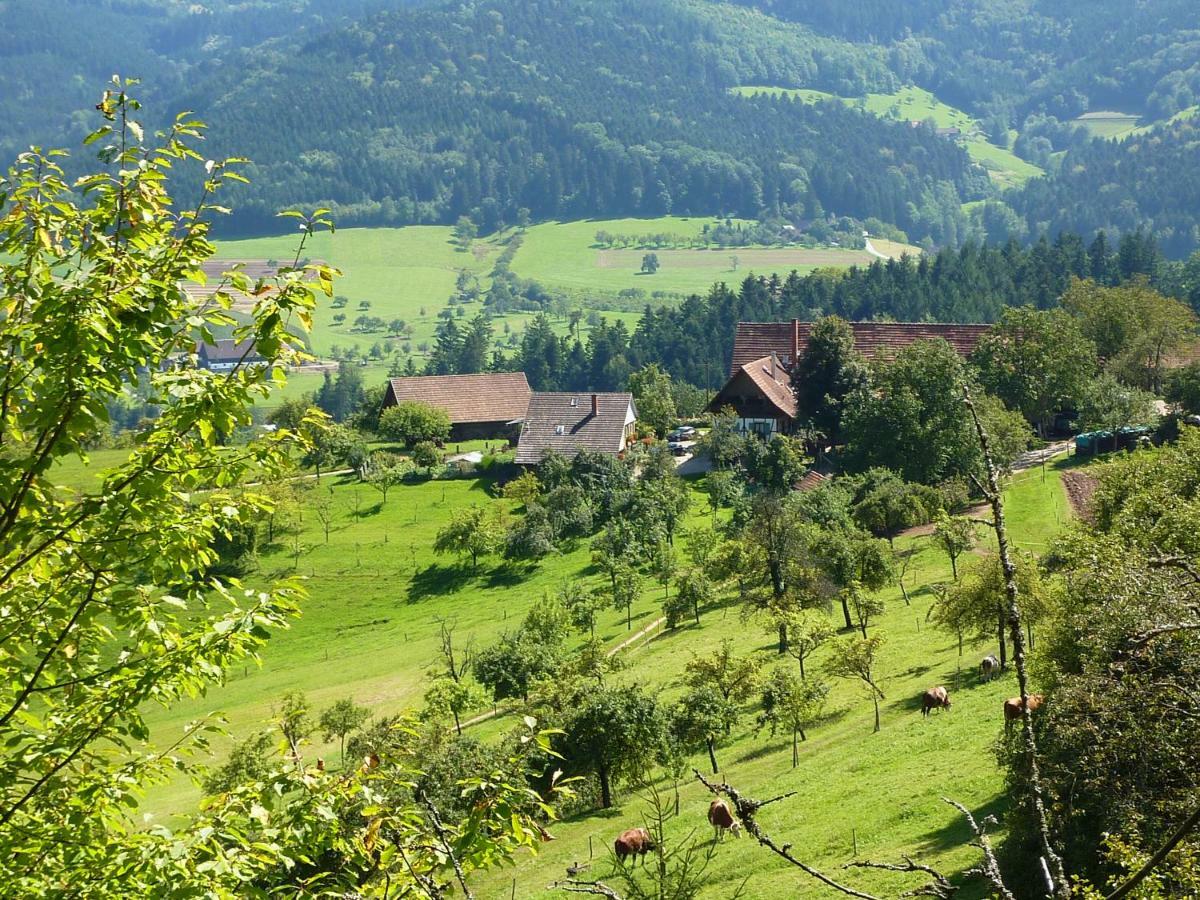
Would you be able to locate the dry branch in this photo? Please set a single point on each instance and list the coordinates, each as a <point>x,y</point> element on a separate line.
<point>745,808</point>
<point>940,887</point>
<point>572,886</point>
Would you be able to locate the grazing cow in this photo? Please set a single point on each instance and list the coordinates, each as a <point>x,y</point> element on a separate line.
<point>1013,709</point>
<point>634,842</point>
<point>721,819</point>
<point>935,697</point>
<point>989,667</point>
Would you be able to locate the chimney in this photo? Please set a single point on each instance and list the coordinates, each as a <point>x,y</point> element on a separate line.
<point>773,375</point>
<point>595,404</point>
<point>795,341</point>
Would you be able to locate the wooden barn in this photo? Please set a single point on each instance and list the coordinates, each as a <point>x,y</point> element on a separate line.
<point>759,386</point>
<point>479,406</point>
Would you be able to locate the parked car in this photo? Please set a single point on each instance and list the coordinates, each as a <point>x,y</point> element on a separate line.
<point>678,448</point>
<point>682,433</point>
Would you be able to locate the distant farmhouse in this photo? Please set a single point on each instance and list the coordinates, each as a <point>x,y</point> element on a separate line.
<point>565,423</point>
<point>759,386</point>
<point>479,406</point>
<point>227,354</point>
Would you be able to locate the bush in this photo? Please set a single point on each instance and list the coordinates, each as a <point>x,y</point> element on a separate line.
<point>412,423</point>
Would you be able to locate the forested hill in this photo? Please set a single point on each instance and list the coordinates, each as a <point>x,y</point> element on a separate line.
<point>56,54</point>
<point>568,109</point>
<point>404,111</point>
<point>1010,58</point>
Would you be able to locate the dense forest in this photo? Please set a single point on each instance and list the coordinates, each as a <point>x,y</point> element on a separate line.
<point>395,112</point>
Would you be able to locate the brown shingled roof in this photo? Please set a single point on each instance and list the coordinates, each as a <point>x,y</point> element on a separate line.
<point>755,340</point>
<point>565,423</point>
<point>497,397</point>
<point>772,379</point>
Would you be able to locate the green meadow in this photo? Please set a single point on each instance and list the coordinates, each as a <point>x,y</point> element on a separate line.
<point>409,273</point>
<point>918,105</point>
<point>369,631</point>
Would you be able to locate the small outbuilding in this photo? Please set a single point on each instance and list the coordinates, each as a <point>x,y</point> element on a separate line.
<point>226,354</point>
<point>565,423</point>
<point>480,407</point>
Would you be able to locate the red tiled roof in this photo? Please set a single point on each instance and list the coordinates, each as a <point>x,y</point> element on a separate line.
<point>755,340</point>
<point>770,377</point>
<point>497,397</point>
<point>811,481</point>
<point>565,423</point>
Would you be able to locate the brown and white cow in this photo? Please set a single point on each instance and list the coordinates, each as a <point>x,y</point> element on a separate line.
<point>934,698</point>
<point>989,667</point>
<point>1013,709</point>
<point>633,842</point>
<point>720,817</point>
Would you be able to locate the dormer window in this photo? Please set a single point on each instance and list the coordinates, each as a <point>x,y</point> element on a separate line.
<point>574,401</point>
<point>560,429</point>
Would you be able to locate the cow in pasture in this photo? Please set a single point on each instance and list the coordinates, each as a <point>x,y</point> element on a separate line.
<point>935,697</point>
<point>721,819</point>
<point>1013,708</point>
<point>634,842</point>
<point>989,667</point>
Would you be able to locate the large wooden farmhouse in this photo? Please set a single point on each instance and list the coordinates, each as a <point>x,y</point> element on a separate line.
<point>565,423</point>
<point>479,406</point>
<point>759,386</point>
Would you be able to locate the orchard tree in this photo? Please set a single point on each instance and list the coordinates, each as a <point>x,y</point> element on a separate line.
<point>583,606</point>
<point>856,659</point>
<point>426,455</point>
<point>1109,405</point>
<point>890,505</point>
<point>650,263</point>
<point>471,533</point>
<point>449,697</point>
<point>808,631</point>
<point>651,389</point>
<point>733,677</point>
<point>524,489</point>
<point>792,704</point>
<point>293,717</point>
<point>693,592</point>
<point>617,734</point>
<point>412,422</point>
<point>1036,361</point>
<point>339,720</point>
<point>828,372</point>
<point>385,472</point>
<point>955,535</point>
<point>701,718</point>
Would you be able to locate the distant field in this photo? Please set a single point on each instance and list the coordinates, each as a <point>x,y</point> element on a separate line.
<point>565,256</point>
<point>894,249</point>
<point>1108,124</point>
<point>722,260</point>
<point>918,105</point>
<point>410,273</point>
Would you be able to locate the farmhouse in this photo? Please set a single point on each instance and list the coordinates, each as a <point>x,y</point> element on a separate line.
<point>479,406</point>
<point>759,386</point>
<point>226,354</point>
<point>565,423</point>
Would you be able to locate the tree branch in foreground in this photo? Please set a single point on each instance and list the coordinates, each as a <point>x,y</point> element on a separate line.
<point>745,808</point>
<point>599,888</point>
<point>990,868</point>
<point>940,886</point>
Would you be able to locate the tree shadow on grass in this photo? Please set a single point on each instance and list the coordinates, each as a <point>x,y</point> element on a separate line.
<point>435,580</point>
<point>956,833</point>
<point>369,511</point>
<point>509,575</point>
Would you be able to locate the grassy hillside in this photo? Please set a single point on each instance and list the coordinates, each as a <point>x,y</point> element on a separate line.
<point>369,632</point>
<point>918,105</point>
<point>409,273</point>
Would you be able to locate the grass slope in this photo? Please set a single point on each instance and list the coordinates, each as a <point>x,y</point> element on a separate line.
<point>409,273</point>
<point>881,790</point>
<point>918,105</point>
<point>369,631</point>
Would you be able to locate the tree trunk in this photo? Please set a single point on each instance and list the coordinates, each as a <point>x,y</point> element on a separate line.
<point>846,613</point>
<point>783,637</point>
<point>875,699</point>
<point>712,755</point>
<point>696,611</point>
<point>862,626</point>
<point>903,591</point>
<point>954,565</point>
<point>605,788</point>
<point>1003,648</point>
<point>802,677</point>
<point>629,617</point>
<point>795,750</point>
<point>960,640</point>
